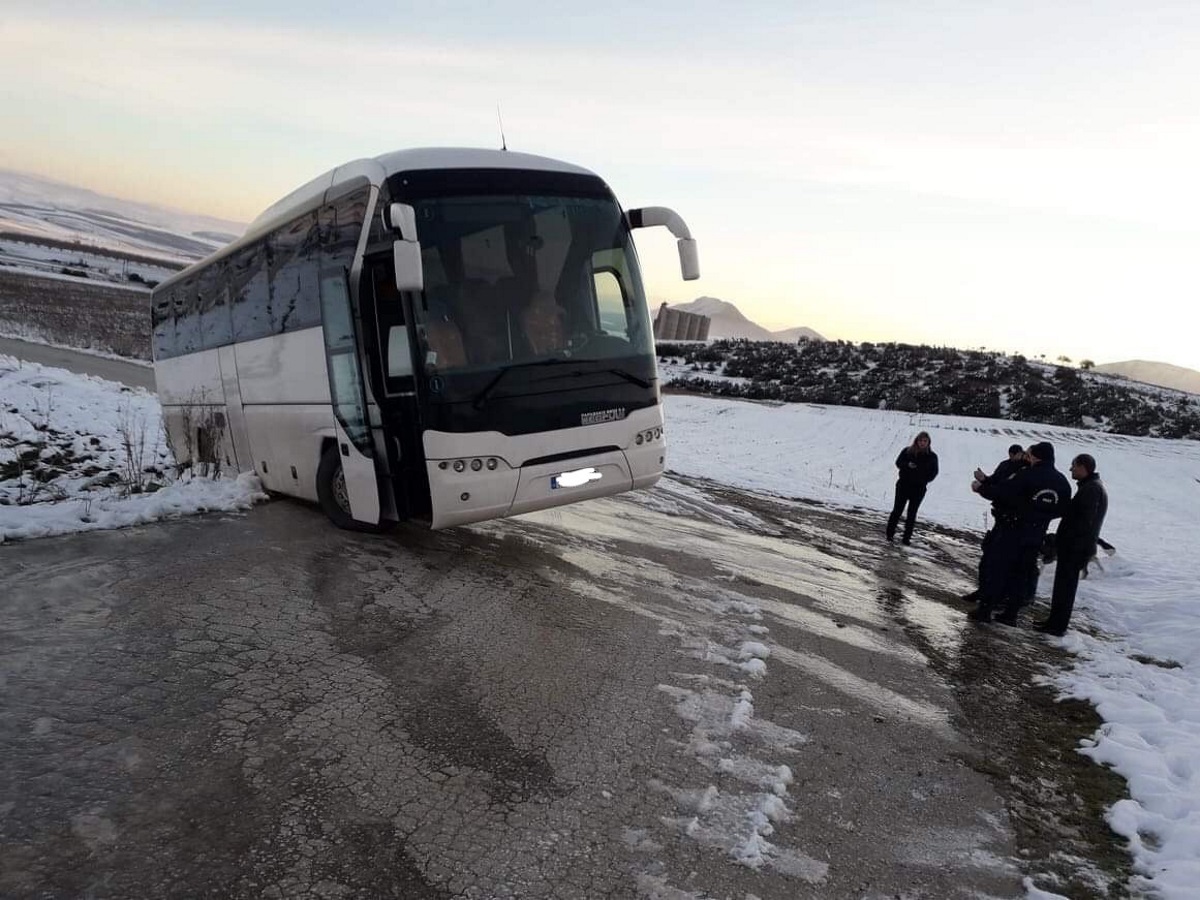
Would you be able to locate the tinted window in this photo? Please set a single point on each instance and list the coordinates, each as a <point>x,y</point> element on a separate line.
<point>294,299</point>
<point>187,317</point>
<point>247,279</point>
<point>344,219</point>
<point>377,235</point>
<point>514,279</point>
<point>344,380</point>
<point>216,329</point>
<point>163,323</point>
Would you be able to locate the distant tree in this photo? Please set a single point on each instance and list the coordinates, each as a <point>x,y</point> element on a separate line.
<point>1064,359</point>
<point>1086,364</point>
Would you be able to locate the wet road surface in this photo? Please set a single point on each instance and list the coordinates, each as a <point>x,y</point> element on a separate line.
<point>129,373</point>
<point>662,695</point>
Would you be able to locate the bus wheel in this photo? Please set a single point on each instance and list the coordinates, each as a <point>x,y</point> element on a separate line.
<point>335,500</point>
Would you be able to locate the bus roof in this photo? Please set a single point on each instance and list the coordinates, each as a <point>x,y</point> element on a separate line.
<point>383,167</point>
<point>376,171</point>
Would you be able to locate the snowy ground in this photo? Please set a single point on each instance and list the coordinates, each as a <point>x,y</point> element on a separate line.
<point>72,446</point>
<point>1135,629</point>
<point>80,453</point>
<point>55,262</point>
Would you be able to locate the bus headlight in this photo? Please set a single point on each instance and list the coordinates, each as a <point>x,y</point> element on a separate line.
<point>476,465</point>
<point>459,465</point>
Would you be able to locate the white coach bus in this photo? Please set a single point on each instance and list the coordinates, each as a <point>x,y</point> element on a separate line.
<point>446,335</point>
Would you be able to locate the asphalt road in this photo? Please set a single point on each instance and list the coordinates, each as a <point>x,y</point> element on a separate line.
<point>128,373</point>
<point>663,695</point>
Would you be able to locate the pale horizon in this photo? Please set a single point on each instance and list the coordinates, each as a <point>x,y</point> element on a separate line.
<point>1020,179</point>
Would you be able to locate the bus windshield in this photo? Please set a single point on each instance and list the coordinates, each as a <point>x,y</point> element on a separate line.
<point>513,279</point>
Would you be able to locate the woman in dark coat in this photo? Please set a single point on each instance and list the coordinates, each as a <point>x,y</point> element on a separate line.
<point>918,466</point>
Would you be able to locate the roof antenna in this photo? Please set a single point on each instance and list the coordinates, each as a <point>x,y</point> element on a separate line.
<point>503,142</point>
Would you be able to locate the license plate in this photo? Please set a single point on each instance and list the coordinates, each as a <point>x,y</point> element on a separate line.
<point>578,478</point>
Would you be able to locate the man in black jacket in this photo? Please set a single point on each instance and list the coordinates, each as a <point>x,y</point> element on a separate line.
<point>1076,541</point>
<point>1024,505</point>
<point>1008,467</point>
<point>918,466</point>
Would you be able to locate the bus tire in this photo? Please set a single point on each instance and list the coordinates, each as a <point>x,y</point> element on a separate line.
<point>331,492</point>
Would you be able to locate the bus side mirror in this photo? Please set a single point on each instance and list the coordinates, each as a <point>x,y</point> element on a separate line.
<point>401,219</point>
<point>689,258</point>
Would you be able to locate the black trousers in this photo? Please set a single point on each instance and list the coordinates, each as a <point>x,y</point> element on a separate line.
<point>910,496</point>
<point>1007,569</point>
<point>1066,583</point>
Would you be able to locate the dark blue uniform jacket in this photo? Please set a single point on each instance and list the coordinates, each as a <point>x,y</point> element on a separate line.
<point>1029,500</point>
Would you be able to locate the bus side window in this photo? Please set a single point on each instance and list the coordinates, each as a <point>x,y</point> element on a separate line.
<point>187,318</point>
<point>249,293</point>
<point>294,292</point>
<point>163,320</point>
<point>216,329</point>
<point>346,215</point>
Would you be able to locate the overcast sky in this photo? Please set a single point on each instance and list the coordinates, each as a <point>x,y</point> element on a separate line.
<point>1020,176</point>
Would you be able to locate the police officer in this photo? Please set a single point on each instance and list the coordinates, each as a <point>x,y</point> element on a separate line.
<point>1016,460</point>
<point>1024,504</point>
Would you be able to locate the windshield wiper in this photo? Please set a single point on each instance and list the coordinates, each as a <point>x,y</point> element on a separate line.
<point>482,397</point>
<point>622,373</point>
<point>630,377</point>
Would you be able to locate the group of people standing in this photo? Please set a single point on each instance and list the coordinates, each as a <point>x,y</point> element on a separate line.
<point>1027,493</point>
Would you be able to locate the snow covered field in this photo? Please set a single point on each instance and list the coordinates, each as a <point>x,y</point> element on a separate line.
<point>80,453</point>
<point>1134,633</point>
<point>1136,627</point>
<point>55,262</point>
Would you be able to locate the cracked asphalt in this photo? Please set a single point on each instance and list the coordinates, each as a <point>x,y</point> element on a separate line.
<point>664,695</point>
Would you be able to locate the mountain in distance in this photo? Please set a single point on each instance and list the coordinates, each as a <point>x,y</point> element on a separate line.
<point>1161,374</point>
<point>727,321</point>
<point>36,207</point>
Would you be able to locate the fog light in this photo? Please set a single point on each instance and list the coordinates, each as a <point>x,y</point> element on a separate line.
<point>459,465</point>
<point>464,496</point>
<point>657,433</point>
<point>476,465</point>
<point>443,465</point>
<point>638,440</point>
<point>491,464</point>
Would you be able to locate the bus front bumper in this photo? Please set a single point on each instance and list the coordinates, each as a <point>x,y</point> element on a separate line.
<point>497,489</point>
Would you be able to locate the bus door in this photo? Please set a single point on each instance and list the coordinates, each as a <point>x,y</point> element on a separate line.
<point>349,404</point>
<point>388,314</point>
